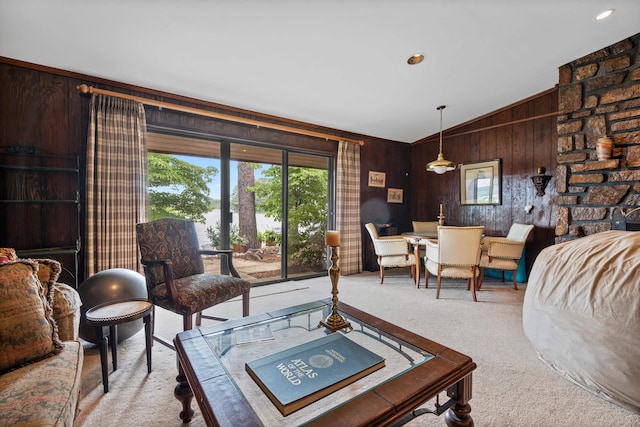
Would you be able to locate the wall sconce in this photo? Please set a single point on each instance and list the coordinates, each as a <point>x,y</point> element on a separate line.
<point>540,181</point>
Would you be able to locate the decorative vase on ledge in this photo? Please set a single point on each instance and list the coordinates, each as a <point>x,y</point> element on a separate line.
<point>604,148</point>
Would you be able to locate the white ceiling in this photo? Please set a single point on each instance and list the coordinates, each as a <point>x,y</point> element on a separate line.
<point>335,63</point>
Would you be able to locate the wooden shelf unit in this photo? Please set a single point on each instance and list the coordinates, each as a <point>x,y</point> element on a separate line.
<point>38,190</point>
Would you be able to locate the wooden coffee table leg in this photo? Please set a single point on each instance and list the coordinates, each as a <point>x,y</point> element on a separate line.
<point>184,394</point>
<point>459,415</point>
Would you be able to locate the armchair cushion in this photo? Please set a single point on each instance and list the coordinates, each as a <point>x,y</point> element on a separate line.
<point>397,261</point>
<point>27,331</point>
<point>198,292</point>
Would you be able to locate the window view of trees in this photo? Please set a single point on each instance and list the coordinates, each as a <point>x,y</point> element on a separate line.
<point>307,212</point>
<point>180,189</point>
<point>247,204</point>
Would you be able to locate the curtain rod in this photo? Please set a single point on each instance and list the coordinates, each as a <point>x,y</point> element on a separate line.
<point>83,88</point>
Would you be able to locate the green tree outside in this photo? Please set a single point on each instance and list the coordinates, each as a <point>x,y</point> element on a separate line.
<point>307,210</point>
<point>178,189</point>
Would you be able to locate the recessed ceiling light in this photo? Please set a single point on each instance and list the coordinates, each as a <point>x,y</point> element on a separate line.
<point>415,59</point>
<point>604,14</point>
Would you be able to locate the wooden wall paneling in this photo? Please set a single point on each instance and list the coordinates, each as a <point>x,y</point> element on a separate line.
<point>431,189</point>
<point>223,129</point>
<point>438,186</point>
<point>7,133</point>
<point>418,185</point>
<point>545,135</point>
<point>394,161</point>
<point>52,101</point>
<point>17,92</point>
<point>485,215</point>
<point>448,190</point>
<point>521,190</point>
<point>529,148</point>
<point>471,145</point>
<point>503,214</point>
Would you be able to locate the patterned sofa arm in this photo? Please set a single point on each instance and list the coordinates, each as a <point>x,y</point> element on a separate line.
<point>66,311</point>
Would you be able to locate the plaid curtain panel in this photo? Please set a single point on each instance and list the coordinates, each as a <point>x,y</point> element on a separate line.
<point>348,207</point>
<point>116,183</point>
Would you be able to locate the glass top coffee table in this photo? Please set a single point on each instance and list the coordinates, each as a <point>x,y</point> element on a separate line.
<point>212,368</point>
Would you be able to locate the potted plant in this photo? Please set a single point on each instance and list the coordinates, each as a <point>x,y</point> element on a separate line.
<point>271,238</point>
<point>213,233</point>
<point>238,243</point>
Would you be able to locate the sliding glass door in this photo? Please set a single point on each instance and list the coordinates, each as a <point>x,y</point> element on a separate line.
<point>270,206</point>
<point>307,201</point>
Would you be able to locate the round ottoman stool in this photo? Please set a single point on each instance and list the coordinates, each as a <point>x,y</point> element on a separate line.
<point>109,286</point>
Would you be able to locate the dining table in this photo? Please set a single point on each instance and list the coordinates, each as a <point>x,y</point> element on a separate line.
<point>418,239</point>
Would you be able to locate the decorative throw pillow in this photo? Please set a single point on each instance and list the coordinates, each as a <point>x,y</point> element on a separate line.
<point>27,331</point>
<point>7,254</point>
<point>48,273</point>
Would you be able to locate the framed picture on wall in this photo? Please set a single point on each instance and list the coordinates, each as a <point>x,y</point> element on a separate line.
<point>481,183</point>
<point>394,195</point>
<point>377,179</point>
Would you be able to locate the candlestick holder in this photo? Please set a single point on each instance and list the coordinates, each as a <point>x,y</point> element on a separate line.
<point>441,216</point>
<point>334,322</point>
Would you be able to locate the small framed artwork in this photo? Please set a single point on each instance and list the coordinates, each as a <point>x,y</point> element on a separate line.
<point>481,183</point>
<point>377,179</point>
<point>394,195</point>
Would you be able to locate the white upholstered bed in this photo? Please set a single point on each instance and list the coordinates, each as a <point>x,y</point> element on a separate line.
<point>581,313</point>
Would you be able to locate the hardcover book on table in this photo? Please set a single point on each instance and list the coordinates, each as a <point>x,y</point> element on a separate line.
<point>298,376</point>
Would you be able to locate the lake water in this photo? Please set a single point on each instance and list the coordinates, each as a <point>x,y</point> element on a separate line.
<point>211,218</point>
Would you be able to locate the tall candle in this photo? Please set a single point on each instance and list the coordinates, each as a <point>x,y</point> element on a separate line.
<point>333,238</point>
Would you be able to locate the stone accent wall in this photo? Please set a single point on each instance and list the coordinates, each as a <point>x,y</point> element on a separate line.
<point>598,95</point>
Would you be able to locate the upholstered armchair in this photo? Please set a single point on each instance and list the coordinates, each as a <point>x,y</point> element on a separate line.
<point>392,251</point>
<point>455,255</point>
<point>425,226</point>
<point>174,271</point>
<point>503,253</point>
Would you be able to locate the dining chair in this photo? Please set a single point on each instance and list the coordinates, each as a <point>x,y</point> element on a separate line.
<point>504,253</point>
<point>425,226</point>
<point>175,276</point>
<point>392,251</point>
<point>455,255</point>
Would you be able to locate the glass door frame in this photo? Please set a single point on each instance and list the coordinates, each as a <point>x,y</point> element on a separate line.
<point>225,144</point>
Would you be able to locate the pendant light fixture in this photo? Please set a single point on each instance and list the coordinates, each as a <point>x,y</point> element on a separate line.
<point>440,165</point>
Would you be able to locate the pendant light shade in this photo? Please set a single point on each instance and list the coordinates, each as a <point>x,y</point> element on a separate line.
<point>440,165</point>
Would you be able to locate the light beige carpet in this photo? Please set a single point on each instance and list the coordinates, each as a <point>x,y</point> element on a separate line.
<point>511,387</point>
